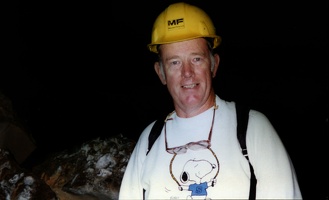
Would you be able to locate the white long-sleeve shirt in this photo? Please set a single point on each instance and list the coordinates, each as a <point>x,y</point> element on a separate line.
<point>221,172</point>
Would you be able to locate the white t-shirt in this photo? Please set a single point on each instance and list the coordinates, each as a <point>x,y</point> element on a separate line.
<point>218,172</point>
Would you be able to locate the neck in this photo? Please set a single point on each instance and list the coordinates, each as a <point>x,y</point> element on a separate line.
<point>191,112</point>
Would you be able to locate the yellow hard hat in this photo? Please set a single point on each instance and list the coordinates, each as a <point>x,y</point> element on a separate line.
<point>179,22</point>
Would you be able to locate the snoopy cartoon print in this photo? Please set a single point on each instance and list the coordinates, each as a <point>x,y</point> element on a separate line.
<point>195,178</point>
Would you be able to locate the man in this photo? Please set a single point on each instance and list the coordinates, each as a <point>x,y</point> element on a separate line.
<point>197,155</point>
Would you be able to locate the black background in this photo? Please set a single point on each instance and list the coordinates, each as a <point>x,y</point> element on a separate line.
<point>80,69</point>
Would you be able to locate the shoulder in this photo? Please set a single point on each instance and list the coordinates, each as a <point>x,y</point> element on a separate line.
<point>260,130</point>
<point>225,106</point>
<point>257,118</point>
<point>142,142</point>
<point>146,132</point>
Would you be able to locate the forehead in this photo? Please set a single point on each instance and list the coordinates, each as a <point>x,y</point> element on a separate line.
<point>188,46</point>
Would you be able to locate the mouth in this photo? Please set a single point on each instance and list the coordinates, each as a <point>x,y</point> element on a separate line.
<point>190,86</point>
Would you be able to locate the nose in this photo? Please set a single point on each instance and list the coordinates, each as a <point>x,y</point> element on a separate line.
<point>187,70</point>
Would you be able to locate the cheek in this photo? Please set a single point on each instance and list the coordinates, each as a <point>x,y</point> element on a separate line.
<point>172,76</point>
<point>173,85</point>
<point>170,82</point>
<point>207,74</point>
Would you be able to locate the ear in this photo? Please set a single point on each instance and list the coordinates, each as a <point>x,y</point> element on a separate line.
<point>160,73</point>
<point>217,59</point>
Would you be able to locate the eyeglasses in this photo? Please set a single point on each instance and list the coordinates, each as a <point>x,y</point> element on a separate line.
<point>202,144</point>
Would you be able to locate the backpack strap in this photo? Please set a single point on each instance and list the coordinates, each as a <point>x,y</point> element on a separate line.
<point>155,132</point>
<point>242,114</point>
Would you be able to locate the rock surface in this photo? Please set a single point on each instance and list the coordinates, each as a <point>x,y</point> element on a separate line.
<point>94,169</point>
<point>91,171</point>
<point>19,184</point>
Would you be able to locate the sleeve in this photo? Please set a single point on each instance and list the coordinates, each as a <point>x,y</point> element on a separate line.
<point>131,184</point>
<point>274,170</point>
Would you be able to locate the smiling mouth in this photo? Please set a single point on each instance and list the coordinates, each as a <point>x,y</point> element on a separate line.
<point>190,86</point>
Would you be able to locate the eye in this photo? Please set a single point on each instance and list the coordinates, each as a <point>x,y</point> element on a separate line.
<point>197,59</point>
<point>174,62</point>
<point>184,177</point>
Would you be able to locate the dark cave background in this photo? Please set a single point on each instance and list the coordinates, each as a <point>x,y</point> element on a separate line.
<point>80,70</point>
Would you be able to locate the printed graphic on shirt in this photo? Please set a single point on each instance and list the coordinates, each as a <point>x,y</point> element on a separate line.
<point>195,175</point>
